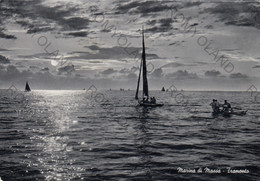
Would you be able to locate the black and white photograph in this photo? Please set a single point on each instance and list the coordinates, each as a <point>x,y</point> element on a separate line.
<point>129,90</point>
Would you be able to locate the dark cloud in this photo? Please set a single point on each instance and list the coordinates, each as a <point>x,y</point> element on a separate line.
<point>78,34</point>
<point>191,4</point>
<point>212,73</point>
<point>45,69</point>
<point>4,60</point>
<point>3,50</point>
<point>182,74</point>
<point>151,22</point>
<point>34,67</point>
<point>238,76</point>
<point>144,8</point>
<point>37,17</point>
<point>93,47</point>
<point>66,70</point>
<point>3,35</point>
<point>162,25</point>
<point>237,13</point>
<point>108,71</point>
<point>257,66</point>
<point>39,30</point>
<point>75,23</point>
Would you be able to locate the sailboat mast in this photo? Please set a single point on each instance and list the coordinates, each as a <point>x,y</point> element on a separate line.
<point>138,82</point>
<point>145,81</point>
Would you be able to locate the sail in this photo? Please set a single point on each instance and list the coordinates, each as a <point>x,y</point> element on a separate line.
<point>138,82</point>
<point>145,81</point>
<point>27,87</point>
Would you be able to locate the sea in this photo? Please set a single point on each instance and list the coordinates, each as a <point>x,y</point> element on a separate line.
<point>104,135</point>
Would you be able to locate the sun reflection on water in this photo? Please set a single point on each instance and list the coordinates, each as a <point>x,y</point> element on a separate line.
<point>54,139</point>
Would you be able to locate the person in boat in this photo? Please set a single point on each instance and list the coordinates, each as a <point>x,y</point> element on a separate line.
<point>217,106</point>
<point>213,105</point>
<point>154,100</point>
<point>226,106</point>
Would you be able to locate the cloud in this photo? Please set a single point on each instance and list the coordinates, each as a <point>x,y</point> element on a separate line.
<point>157,73</point>
<point>132,76</point>
<point>39,30</point>
<point>123,74</point>
<point>78,34</point>
<point>126,70</point>
<point>108,71</point>
<point>3,35</point>
<point>161,25</point>
<point>11,69</point>
<point>191,4</point>
<point>257,66</point>
<point>37,17</point>
<point>238,76</point>
<point>4,60</point>
<point>118,53</point>
<point>66,70</point>
<point>182,74</point>
<point>236,13</point>
<point>143,8</point>
<point>212,73</point>
<point>74,23</point>
<point>45,69</point>
<point>34,67</point>
<point>3,50</point>
<point>174,64</point>
<point>37,55</point>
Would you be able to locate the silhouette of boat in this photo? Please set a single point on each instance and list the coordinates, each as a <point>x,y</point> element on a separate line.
<point>163,89</point>
<point>145,98</point>
<point>27,87</point>
<point>229,113</point>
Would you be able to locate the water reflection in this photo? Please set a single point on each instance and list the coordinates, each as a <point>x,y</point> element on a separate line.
<point>56,108</point>
<point>142,168</point>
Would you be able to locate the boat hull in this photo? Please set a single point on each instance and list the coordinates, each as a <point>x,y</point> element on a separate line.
<point>229,113</point>
<point>150,105</point>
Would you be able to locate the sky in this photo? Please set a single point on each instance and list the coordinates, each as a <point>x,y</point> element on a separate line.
<point>193,45</point>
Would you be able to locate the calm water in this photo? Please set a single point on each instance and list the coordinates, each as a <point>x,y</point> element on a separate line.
<point>79,135</point>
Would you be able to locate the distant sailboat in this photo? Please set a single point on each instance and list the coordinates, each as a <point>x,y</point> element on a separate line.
<point>27,87</point>
<point>163,89</point>
<point>145,101</point>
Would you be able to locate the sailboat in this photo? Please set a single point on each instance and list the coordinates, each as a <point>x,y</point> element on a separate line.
<point>27,87</point>
<point>145,98</point>
<point>163,89</point>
